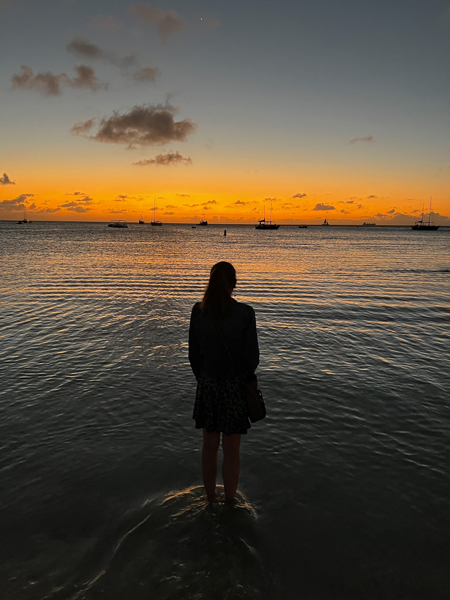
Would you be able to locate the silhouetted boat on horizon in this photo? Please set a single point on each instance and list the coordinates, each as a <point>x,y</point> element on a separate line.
<point>120,224</point>
<point>155,223</point>
<point>325,222</point>
<point>269,224</point>
<point>203,222</point>
<point>425,225</point>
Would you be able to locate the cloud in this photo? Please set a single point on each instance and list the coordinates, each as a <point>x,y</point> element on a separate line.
<point>5,180</point>
<point>345,212</point>
<point>147,74</point>
<point>75,207</point>
<point>81,47</point>
<point>391,212</point>
<point>169,213</point>
<point>191,205</point>
<point>372,196</point>
<point>50,84</point>
<point>113,211</point>
<point>321,206</point>
<point>367,138</point>
<point>240,202</point>
<point>299,195</point>
<point>171,158</point>
<point>16,203</point>
<point>143,125</point>
<point>171,205</point>
<point>167,22</point>
<point>121,198</point>
<point>184,195</point>
<point>210,202</point>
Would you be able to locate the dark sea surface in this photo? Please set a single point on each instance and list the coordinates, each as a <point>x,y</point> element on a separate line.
<point>344,488</point>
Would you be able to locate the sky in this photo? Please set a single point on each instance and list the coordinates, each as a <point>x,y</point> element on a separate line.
<point>225,110</point>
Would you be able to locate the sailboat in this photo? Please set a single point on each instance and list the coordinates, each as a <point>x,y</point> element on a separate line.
<point>24,220</point>
<point>269,224</point>
<point>425,225</point>
<point>325,222</point>
<point>141,220</point>
<point>155,223</point>
<point>203,221</point>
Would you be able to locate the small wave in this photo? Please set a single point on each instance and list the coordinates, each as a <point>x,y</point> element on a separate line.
<point>177,548</point>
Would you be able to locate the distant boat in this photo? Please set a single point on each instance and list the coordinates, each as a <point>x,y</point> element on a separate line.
<point>325,222</point>
<point>303,226</point>
<point>119,223</point>
<point>155,223</point>
<point>269,224</point>
<point>141,220</point>
<point>368,224</point>
<point>24,220</point>
<point>425,225</point>
<point>203,222</point>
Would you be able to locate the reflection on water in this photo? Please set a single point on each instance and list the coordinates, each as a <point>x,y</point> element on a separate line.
<point>348,474</point>
<point>176,548</point>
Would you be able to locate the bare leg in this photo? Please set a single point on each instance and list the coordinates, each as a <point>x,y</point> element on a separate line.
<point>211,443</point>
<point>230,468</point>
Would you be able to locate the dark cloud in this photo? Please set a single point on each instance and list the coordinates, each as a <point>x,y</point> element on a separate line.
<point>121,198</point>
<point>391,212</point>
<point>147,74</point>
<point>372,196</point>
<point>51,85</point>
<point>169,213</point>
<point>171,158</point>
<point>75,207</point>
<point>16,203</point>
<point>81,47</point>
<point>117,212</point>
<point>367,138</point>
<point>184,195</point>
<point>171,206</point>
<point>144,125</point>
<point>210,202</point>
<point>345,212</point>
<point>240,202</point>
<point>299,195</point>
<point>191,205</point>
<point>5,180</point>
<point>321,206</point>
<point>167,22</point>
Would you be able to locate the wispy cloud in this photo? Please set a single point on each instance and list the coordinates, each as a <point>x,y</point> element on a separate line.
<point>171,158</point>
<point>166,22</point>
<point>184,195</point>
<point>299,195</point>
<point>321,206</point>
<point>49,84</point>
<point>5,180</point>
<point>143,125</point>
<point>367,138</point>
<point>147,74</point>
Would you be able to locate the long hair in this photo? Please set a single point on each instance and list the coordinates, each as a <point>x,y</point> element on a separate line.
<point>217,297</point>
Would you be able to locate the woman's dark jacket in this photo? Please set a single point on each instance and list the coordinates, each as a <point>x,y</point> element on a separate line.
<point>207,352</point>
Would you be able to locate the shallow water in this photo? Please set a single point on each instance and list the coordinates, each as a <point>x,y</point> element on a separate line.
<point>346,485</point>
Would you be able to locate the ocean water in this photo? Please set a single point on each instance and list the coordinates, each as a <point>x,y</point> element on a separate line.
<point>344,488</point>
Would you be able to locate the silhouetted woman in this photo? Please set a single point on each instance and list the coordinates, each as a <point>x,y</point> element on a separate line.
<point>223,352</point>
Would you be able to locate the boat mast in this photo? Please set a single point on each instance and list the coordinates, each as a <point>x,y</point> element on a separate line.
<point>429,214</point>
